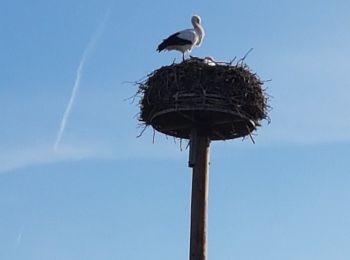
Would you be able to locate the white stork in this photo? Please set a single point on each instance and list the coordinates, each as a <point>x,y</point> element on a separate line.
<point>184,41</point>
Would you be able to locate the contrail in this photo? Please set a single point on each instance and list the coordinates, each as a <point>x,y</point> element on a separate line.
<point>19,238</point>
<point>88,50</point>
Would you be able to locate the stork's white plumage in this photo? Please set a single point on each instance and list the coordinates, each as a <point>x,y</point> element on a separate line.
<point>184,41</point>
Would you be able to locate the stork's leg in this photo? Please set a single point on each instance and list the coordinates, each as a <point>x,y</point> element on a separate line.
<point>183,56</point>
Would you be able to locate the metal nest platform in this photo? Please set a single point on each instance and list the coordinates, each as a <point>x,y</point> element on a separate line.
<point>220,100</point>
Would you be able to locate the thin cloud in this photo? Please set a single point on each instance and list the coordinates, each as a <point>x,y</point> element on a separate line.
<point>40,155</point>
<point>130,148</point>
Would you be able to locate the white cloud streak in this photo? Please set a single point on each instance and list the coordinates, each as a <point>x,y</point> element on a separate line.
<point>20,158</point>
<point>87,52</point>
<point>132,148</point>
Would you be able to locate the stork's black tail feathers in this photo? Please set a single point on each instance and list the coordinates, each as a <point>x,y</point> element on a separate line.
<point>173,40</point>
<point>161,46</point>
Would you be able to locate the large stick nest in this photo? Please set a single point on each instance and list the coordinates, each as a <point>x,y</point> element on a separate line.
<point>220,100</point>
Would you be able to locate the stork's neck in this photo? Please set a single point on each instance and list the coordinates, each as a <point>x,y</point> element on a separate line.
<point>200,31</point>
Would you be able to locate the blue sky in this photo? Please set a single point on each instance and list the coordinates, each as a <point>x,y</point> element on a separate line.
<point>105,194</point>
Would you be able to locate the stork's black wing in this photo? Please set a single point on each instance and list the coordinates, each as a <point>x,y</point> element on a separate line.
<point>173,40</point>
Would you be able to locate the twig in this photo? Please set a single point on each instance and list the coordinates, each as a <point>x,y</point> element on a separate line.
<point>250,135</point>
<point>188,144</point>
<point>231,61</point>
<point>154,135</point>
<point>143,130</point>
<point>245,56</point>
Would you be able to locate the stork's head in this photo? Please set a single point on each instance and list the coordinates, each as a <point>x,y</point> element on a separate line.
<point>196,20</point>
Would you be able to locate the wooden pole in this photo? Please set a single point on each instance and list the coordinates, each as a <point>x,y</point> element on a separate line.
<point>199,202</point>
